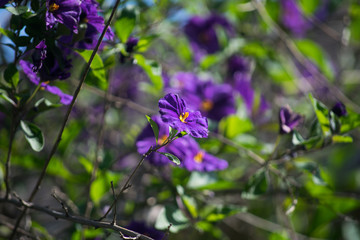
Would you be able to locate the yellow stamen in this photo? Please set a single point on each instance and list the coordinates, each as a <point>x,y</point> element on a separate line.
<point>162,139</point>
<point>207,105</point>
<point>184,116</point>
<point>53,7</point>
<point>46,83</point>
<point>199,157</point>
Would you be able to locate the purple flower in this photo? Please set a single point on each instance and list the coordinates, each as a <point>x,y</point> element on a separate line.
<point>174,112</point>
<point>293,19</point>
<point>339,109</point>
<point>56,66</point>
<point>242,83</point>
<point>66,12</point>
<point>288,120</point>
<point>39,55</point>
<point>199,160</point>
<point>146,139</point>
<point>202,35</point>
<point>28,70</point>
<point>142,228</point>
<point>237,64</point>
<point>94,24</point>
<point>130,45</point>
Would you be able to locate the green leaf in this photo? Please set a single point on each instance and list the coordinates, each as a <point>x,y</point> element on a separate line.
<point>313,169</point>
<point>349,122</point>
<point>145,42</point>
<point>11,75</point>
<point>172,132</point>
<point>4,95</point>
<point>232,125</point>
<point>309,6</point>
<point>322,114</point>
<point>97,75</point>
<point>342,139</point>
<point>200,179</point>
<point>256,186</point>
<point>154,127</point>
<point>316,54</point>
<point>33,135</point>
<point>214,213</point>
<point>171,215</point>
<point>171,157</point>
<point>126,23</point>
<point>152,69</point>
<point>18,10</point>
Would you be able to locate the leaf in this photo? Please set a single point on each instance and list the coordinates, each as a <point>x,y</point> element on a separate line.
<point>126,23</point>
<point>316,54</point>
<point>4,95</point>
<point>342,139</point>
<point>322,114</point>
<point>152,69</point>
<point>171,215</point>
<point>11,75</point>
<point>18,10</point>
<point>232,125</point>
<point>97,75</point>
<point>171,157</point>
<point>154,127</point>
<point>214,213</point>
<point>349,122</point>
<point>313,169</point>
<point>256,186</point>
<point>33,135</point>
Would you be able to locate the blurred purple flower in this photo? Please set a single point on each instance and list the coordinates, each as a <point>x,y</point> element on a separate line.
<point>199,160</point>
<point>173,111</point>
<point>237,64</point>
<point>56,67</point>
<point>27,68</point>
<point>242,84</point>
<point>39,55</point>
<point>214,101</point>
<point>202,35</point>
<point>130,45</point>
<point>66,12</point>
<point>339,109</point>
<point>293,19</point>
<point>142,228</point>
<point>146,139</point>
<point>288,120</point>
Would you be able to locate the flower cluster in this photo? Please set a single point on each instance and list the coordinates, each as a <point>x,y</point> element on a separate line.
<point>174,113</point>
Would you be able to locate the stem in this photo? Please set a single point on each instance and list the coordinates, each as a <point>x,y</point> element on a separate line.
<point>14,126</point>
<point>58,139</point>
<point>34,93</point>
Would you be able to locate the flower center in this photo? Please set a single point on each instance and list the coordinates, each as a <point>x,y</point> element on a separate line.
<point>199,157</point>
<point>184,116</point>
<point>207,105</point>
<point>162,139</point>
<point>53,7</point>
<point>43,84</point>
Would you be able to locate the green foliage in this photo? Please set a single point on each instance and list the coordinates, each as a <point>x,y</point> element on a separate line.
<point>154,127</point>
<point>33,135</point>
<point>126,23</point>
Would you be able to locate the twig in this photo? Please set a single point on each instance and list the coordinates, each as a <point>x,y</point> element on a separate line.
<point>14,125</point>
<point>62,204</point>
<point>113,191</point>
<point>75,219</point>
<point>58,139</point>
<point>167,232</point>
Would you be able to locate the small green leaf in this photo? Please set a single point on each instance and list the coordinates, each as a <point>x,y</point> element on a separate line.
<point>152,69</point>
<point>256,186</point>
<point>154,127</point>
<point>232,126</point>
<point>18,10</point>
<point>313,169</point>
<point>322,114</point>
<point>126,23</point>
<point>171,215</point>
<point>172,132</point>
<point>33,135</point>
<point>342,139</point>
<point>4,95</point>
<point>97,75</point>
<point>171,157</point>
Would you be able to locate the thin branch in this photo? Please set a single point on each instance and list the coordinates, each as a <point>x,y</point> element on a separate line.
<point>113,191</point>
<point>75,219</point>
<point>58,139</point>
<point>14,125</point>
<point>61,203</point>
